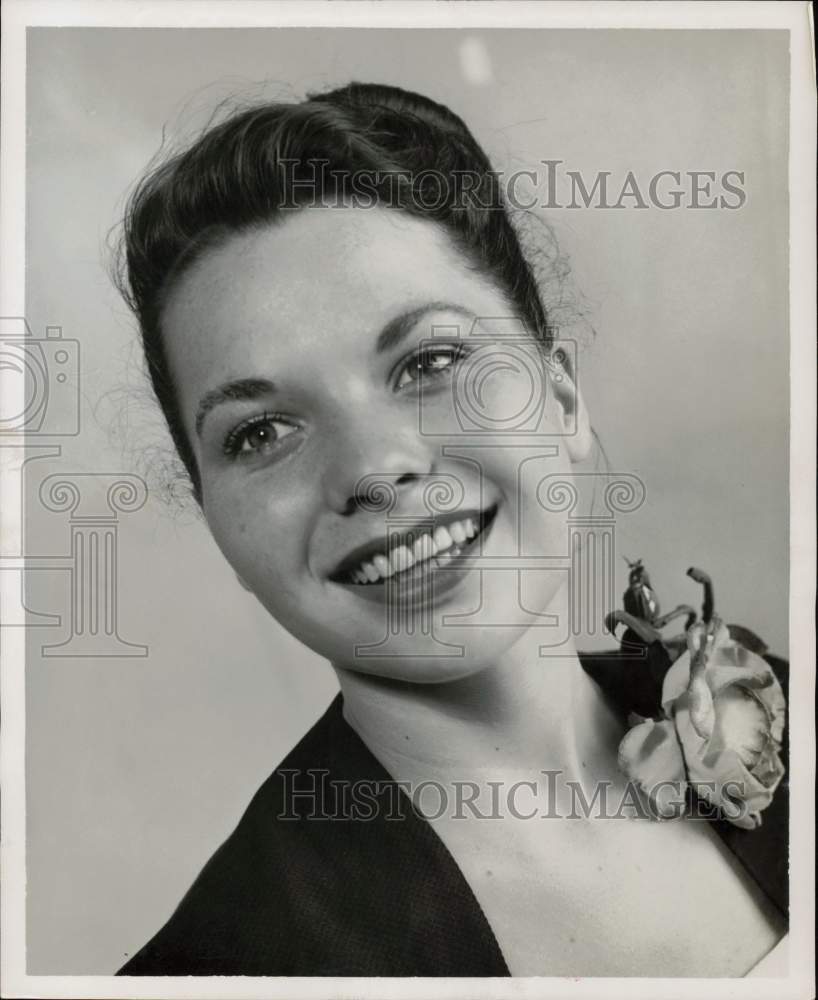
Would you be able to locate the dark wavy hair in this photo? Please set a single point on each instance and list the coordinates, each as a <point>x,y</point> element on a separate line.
<point>364,141</point>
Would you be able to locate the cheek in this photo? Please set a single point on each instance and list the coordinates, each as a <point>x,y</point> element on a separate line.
<point>536,475</point>
<point>262,533</point>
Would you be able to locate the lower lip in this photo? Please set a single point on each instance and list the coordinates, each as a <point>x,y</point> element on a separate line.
<point>425,583</point>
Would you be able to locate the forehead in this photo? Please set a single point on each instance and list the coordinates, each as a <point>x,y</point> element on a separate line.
<point>328,276</point>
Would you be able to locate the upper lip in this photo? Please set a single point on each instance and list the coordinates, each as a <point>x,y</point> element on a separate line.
<point>385,543</point>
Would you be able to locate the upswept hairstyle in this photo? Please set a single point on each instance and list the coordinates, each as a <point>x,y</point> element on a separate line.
<point>364,143</point>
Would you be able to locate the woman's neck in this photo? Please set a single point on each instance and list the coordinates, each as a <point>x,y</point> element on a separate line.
<point>521,715</point>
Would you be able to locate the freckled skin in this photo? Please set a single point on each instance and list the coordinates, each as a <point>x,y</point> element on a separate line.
<point>302,303</point>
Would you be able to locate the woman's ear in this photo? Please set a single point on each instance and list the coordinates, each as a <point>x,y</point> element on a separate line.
<point>571,411</point>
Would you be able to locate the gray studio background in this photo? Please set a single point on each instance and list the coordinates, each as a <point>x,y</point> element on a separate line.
<point>137,768</point>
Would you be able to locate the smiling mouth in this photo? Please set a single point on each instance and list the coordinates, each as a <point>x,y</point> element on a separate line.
<point>405,554</point>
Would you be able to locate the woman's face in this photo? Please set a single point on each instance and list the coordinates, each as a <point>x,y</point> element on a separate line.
<point>302,358</point>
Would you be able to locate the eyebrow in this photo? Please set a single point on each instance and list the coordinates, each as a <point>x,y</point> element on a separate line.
<point>399,327</point>
<point>248,389</point>
<point>240,389</point>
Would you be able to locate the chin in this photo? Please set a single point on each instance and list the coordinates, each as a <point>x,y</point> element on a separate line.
<point>414,669</point>
<point>449,653</point>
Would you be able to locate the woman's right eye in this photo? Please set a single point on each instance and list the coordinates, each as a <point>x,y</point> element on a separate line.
<point>260,435</point>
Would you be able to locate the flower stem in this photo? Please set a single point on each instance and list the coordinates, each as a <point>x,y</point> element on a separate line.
<point>708,606</point>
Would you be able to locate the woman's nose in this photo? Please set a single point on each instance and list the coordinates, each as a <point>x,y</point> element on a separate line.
<point>370,471</point>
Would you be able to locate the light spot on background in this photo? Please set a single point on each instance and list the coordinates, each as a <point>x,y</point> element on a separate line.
<point>475,61</point>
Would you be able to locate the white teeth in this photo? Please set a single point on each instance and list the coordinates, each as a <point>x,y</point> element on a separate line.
<point>443,540</point>
<point>424,548</point>
<point>401,558</point>
<point>458,532</point>
<point>443,546</point>
<point>383,566</point>
<point>371,573</point>
<point>444,558</point>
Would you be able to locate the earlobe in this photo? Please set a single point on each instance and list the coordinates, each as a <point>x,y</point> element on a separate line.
<point>572,413</point>
<point>244,585</point>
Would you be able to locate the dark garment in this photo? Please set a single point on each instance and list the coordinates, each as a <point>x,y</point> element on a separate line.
<point>307,886</point>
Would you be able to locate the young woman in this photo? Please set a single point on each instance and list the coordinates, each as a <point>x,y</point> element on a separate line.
<point>319,287</point>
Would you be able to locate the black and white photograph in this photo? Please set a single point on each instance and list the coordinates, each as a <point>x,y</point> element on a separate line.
<point>408,548</point>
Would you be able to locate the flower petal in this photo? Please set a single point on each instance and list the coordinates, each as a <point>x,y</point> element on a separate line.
<point>770,768</point>
<point>755,675</point>
<point>651,757</point>
<point>721,777</point>
<point>742,724</point>
<point>748,639</point>
<point>675,683</point>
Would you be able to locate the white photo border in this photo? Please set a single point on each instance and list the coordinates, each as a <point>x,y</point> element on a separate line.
<point>193,14</point>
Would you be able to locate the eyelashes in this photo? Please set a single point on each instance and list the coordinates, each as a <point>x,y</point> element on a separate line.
<point>263,433</point>
<point>431,362</point>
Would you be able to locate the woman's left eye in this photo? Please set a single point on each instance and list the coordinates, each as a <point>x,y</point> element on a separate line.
<point>430,363</point>
<point>257,436</point>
